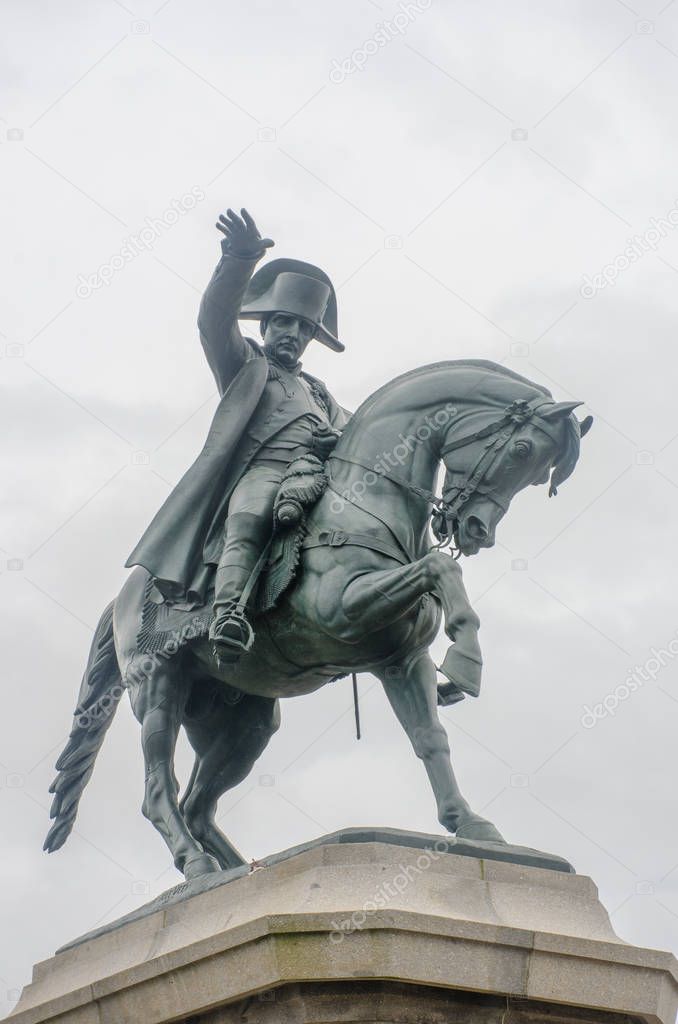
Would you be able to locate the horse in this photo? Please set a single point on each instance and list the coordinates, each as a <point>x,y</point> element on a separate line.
<point>369,596</point>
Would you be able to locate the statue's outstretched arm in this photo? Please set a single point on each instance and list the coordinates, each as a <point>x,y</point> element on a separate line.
<point>225,348</point>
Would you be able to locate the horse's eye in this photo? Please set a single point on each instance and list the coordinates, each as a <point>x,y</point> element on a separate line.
<point>522,448</point>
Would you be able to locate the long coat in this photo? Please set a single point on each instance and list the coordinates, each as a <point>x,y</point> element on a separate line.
<point>183,543</point>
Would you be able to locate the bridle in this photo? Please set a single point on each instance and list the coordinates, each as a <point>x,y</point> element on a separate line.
<point>497,435</point>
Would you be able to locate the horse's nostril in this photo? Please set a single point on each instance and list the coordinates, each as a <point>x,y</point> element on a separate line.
<point>476,528</point>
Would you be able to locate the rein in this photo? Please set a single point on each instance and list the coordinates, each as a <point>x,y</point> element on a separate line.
<point>419,492</point>
<point>515,415</point>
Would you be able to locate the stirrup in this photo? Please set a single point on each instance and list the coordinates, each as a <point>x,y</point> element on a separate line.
<point>231,633</point>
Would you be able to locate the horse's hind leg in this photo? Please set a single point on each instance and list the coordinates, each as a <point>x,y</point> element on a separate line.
<point>158,695</point>
<point>227,741</point>
<point>411,688</point>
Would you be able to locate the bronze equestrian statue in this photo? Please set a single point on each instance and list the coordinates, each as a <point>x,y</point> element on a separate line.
<point>297,549</point>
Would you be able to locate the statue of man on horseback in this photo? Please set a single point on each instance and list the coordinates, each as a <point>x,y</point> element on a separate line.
<point>273,413</point>
<point>355,586</point>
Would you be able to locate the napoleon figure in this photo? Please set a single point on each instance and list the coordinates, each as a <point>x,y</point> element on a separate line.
<point>207,540</point>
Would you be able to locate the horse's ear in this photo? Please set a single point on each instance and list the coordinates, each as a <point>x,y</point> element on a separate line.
<point>559,410</point>
<point>585,425</point>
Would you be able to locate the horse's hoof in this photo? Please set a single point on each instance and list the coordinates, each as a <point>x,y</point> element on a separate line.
<point>481,830</point>
<point>463,671</point>
<point>200,865</point>
<point>448,694</point>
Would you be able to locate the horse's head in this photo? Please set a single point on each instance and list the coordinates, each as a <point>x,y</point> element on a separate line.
<point>527,443</point>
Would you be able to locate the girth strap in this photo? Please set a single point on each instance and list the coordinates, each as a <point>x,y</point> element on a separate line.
<point>339,538</point>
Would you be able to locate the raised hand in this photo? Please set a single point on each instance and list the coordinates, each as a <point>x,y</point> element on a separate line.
<point>241,235</point>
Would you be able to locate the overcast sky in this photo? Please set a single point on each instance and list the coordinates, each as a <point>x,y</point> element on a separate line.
<point>463,181</point>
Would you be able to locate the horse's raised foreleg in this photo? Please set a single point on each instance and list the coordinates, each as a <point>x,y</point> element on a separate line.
<point>383,595</point>
<point>158,698</point>
<point>376,598</point>
<point>411,688</point>
<point>227,742</point>
<point>463,663</point>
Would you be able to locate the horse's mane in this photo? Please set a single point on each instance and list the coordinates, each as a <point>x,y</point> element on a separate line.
<point>460,364</point>
<point>569,453</point>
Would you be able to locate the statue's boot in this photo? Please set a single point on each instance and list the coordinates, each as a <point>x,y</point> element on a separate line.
<point>231,632</point>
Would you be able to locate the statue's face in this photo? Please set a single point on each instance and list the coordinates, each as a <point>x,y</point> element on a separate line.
<point>286,338</point>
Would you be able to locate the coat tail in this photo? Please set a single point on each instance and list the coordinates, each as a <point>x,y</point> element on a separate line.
<point>100,693</point>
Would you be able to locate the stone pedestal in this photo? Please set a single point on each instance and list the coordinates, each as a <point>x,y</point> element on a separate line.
<point>363,930</point>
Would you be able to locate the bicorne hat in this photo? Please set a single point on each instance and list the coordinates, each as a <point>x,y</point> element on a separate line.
<point>300,289</point>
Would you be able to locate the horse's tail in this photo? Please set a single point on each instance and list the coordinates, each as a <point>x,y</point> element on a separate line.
<point>100,692</point>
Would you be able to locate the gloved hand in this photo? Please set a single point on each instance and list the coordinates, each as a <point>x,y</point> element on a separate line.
<point>241,236</point>
<point>324,440</point>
